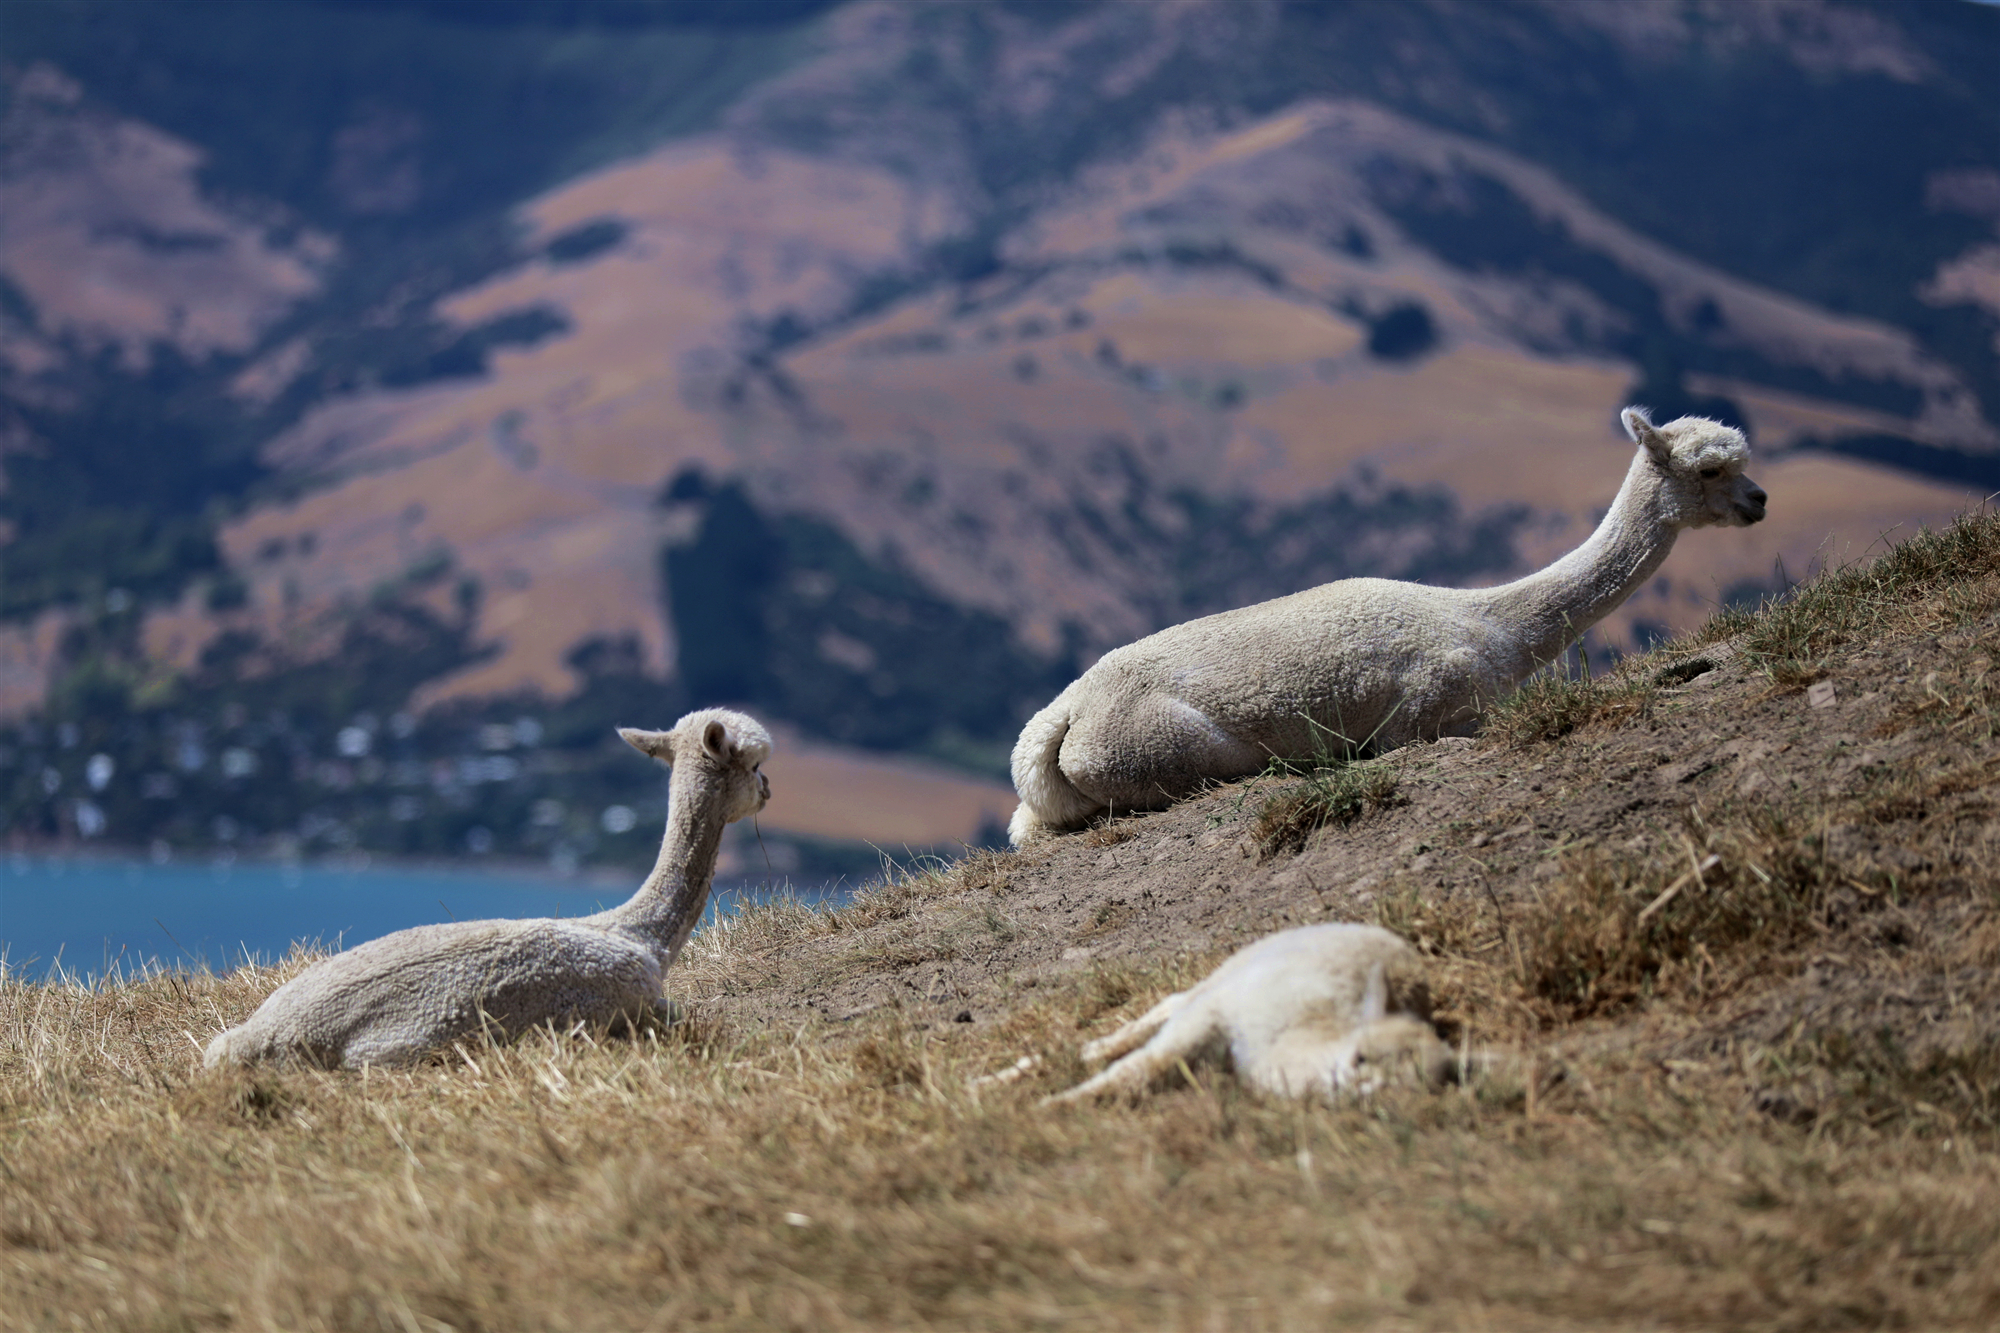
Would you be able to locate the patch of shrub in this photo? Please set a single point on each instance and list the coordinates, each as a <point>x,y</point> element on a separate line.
<point>1401,333</point>
<point>1612,930</point>
<point>1339,793</point>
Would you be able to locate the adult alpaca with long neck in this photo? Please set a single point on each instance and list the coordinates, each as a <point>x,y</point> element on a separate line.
<point>392,999</point>
<point>1358,663</point>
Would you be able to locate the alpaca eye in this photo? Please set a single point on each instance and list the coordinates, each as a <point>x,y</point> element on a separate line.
<point>1711,473</point>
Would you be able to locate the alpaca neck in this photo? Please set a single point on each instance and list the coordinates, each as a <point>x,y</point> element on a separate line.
<point>668,906</point>
<point>1547,611</point>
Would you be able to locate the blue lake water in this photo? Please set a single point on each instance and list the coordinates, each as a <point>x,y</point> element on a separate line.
<point>100,913</point>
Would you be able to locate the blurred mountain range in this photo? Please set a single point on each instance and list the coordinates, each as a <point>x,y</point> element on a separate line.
<point>397,394</point>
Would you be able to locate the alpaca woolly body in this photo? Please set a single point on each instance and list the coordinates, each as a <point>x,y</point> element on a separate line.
<point>1315,1011</point>
<point>1358,663</point>
<point>392,999</point>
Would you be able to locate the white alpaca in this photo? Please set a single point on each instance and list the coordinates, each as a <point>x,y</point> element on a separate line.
<point>392,999</point>
<point>1360,662</point>
<point>1316,1011</point>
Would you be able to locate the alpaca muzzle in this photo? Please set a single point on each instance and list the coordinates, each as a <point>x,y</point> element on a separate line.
<point>1750,506</point>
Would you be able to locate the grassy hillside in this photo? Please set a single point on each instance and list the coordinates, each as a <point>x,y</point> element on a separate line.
<point>403,131</point>
<point>407,131</point>
<point>512,99</point>
<point>1729,937</point>
<point>117,478</point>
<point>1775,156</point>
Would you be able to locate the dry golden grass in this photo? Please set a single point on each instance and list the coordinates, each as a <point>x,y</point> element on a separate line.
<point>775,1179</point>
<point>1553,704</point>
<point>1634,1152</point>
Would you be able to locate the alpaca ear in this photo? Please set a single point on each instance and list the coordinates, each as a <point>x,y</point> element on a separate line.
<point>715,740</point>
<point>1375,995</point>
<point>658,744</point>
<point>1639,425</point>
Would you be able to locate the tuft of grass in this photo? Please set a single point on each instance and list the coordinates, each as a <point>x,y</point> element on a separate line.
<point>1339,792</point>
<point>1552,704</point>
<point>1614,930</point>
<point>1938,578</point>
<point>903,888</point>
<point>1733,900</point>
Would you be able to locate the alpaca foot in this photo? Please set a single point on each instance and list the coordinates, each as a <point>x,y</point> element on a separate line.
<point>228,1048</point>
<point>1027,828</point>
<point>658,1014</point>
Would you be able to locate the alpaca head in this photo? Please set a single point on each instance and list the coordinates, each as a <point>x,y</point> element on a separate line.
<point>1700,465</point>
<point>1396,1049</point>
<point>715,749</point>
<point>1388,1046</point>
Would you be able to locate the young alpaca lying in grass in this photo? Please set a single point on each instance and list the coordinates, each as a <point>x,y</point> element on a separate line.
<point>392,999</point>
<point>1315,1011</point>
<point>1361,662</point>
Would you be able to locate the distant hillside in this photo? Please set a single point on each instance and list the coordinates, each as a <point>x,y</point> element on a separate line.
<point>877,365</point>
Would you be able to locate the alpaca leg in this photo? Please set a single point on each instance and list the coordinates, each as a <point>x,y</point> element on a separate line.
<point>1306,1061</point>
<point>1050,802</point>
<point>254,1042</point>
<point>386,1047</point>
<point>237,1046</point>
<point>1151,753</point>
<point>1135,1033</point>
<point>1183,1038</point>
<point>1135,1073</point>
<point>1027,828</point>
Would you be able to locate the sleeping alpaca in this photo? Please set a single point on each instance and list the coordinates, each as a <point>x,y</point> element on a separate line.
<point>392,999</point>
<point>1358,663</point>
<point>1316,1011</point>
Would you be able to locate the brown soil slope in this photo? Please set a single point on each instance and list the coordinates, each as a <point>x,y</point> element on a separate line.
<point>1730,937</point>
<point>1862,778</point>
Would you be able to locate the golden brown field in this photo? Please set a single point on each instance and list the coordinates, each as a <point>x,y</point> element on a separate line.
<point>1769,1098</point>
